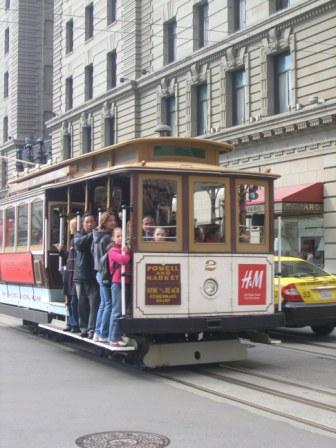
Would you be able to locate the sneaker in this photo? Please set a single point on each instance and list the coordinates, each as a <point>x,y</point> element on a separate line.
<point>90,335</point>
<point>84,334</point>
<point>96,337</point>
<point>118,343</point>
<point>100,339</point>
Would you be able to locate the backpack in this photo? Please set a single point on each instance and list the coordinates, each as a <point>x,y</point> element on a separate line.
<point>105,270</point>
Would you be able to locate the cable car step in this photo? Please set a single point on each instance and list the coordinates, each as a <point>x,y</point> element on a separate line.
<point>55,329</point>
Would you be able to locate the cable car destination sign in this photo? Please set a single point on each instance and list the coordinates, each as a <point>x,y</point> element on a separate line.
<point>163,284</point>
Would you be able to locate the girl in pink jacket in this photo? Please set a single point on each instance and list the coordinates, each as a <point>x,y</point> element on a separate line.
<point>117,256</point>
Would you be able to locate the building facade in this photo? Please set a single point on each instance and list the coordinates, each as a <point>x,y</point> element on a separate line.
<point>259,73</point>
<point>26,76</point>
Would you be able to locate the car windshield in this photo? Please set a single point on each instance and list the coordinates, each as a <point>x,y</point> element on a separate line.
<point>300,269</point>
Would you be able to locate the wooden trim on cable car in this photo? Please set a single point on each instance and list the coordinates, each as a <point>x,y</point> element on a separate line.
<point>210,247</point>
<point>166,246</point>
<point>250,247</point>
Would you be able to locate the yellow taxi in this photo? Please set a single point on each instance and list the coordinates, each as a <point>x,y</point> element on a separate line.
<point>308,295</point>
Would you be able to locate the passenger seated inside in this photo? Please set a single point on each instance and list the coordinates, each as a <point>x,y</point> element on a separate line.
<point>159,234</point>
<point>148,227</point>
<point>199,234</point>
<point>244,237</point>
<point>212,234</point>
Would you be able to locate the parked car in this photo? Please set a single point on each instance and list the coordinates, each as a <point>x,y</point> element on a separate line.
<point>308,295</point>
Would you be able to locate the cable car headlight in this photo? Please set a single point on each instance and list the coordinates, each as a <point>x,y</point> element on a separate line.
<point>210,287</point>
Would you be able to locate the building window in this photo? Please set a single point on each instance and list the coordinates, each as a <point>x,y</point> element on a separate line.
<point>111,11</point>
<point>111,69</point>
<point>7,4</point>
<point>67,153</point>
<point>6,40</point>
<point>48,80</point>
<point>47,115</point>
<point>87,139</point>
<point>282,83</point>
<point>281,4</point>
<point>6,84</point>
<point>5,129</point>
<point>68,93</point>
<point>89,82</point>
<point>239,14</point>
<point>238,97</point>
<point>49,33</point>
<point>169,38</point>
<point>89,21</point>
<point>109,131</point>
<point>201,25</point>
<point>69,36</point>
<point>170,112</point>
<point>4,174</point>
<point>202,109</point>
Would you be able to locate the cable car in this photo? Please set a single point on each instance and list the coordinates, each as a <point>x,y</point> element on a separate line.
<point>207,279</point>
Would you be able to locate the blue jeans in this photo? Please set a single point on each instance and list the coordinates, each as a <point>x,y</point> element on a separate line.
<point>114,332</point>
<point>72,306</point>
<point>104,310</point>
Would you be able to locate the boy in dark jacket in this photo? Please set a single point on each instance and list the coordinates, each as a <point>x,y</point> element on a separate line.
<point>84,277</point>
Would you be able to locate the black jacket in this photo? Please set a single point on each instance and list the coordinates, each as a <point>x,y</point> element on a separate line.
<point>101,239</point>
<point>69,287</point>
<point>83,270</point>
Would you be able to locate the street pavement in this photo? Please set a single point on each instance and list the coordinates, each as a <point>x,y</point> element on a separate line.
<point>52,393</point>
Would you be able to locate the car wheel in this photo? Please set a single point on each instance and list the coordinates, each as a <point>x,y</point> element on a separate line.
<point>323,330</point>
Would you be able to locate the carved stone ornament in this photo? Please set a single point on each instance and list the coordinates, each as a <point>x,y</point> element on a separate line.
<point>108,110</point>
<point>233,58</point>
<point>167,87</point>
<point>85,120</point>
<point>277,40</point>
<point>197,74</point>
<point>65,128</point>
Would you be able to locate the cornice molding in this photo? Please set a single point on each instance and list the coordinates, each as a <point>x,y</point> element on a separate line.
<point>277,125</point>
<point>279,155</point>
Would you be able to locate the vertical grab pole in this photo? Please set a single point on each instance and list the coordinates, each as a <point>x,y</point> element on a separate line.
<point>61,240</point>
<point>78,223</point>
<point>99,216</point>
<point>123,268</point>
<point>279,263</point>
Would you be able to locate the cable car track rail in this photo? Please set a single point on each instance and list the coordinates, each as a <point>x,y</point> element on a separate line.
<point>267,390</point>
<point>280,380</point>
<point>250,404</point>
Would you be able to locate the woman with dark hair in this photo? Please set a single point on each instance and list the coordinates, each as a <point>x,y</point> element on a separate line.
<point>101,241</point>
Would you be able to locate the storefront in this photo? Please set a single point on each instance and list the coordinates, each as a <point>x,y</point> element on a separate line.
<point>301,209</point>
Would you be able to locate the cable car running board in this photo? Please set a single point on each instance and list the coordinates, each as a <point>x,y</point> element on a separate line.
<point>55,329</point>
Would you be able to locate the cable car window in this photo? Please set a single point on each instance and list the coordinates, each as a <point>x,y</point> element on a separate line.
<point>159,210</point>
<point>10,227</point>
<point>36,223</point>
<point>1,228</point>
<point>22,237</point>
<point>99,198</point>
<point>251,199</point>
<point>209,212</point>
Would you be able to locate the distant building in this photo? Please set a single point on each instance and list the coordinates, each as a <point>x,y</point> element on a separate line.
<point>26,59</point>
<point>258,73</point>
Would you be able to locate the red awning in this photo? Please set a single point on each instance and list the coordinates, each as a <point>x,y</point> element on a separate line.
<point>306,193</point>
<point>300,193</point>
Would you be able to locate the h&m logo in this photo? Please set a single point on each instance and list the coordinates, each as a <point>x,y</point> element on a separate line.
<point>252,279</point>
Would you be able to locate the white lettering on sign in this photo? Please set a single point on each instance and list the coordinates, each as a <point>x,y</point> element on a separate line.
<point>252,279</point>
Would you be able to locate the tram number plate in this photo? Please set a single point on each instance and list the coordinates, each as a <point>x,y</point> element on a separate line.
<point>325,294</point>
